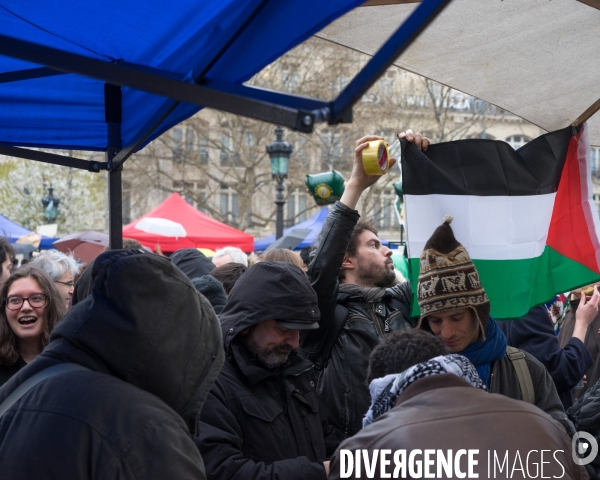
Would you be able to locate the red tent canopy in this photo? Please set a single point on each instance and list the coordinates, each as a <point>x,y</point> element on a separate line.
<point>199,230</point>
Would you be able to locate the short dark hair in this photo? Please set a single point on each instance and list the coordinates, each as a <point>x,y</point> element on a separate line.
<point>55,310</point>
<point>6,249</point>
<point>228,274</point>
<point>360,227</point>
<point>401,350</point>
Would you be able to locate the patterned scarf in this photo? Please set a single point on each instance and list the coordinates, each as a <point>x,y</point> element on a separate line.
<point>385,391</point>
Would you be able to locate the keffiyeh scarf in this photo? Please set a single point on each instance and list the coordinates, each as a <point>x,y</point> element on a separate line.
<point>385,391</point>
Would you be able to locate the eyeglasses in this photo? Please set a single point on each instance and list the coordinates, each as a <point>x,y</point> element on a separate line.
<point>36,300</point>
<point>66,284</point>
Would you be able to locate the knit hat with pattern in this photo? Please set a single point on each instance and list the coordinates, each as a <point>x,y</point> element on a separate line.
<point>448,279</point>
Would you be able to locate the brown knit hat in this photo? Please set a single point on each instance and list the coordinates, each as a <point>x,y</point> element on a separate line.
<point>448,278</point>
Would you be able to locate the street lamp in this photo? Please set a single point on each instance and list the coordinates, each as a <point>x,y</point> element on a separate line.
<point>279,153</point>
<point>50,203</point>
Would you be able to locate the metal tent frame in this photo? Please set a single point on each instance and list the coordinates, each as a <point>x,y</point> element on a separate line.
<point>291,111</point>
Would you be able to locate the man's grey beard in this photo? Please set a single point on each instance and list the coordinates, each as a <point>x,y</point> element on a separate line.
<point>270,357</point>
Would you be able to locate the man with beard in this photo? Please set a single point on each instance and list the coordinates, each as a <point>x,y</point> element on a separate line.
<point>262,418</point>
<point>353,276</point>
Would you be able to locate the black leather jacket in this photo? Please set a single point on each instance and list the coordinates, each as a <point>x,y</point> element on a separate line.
<point>367,314</point>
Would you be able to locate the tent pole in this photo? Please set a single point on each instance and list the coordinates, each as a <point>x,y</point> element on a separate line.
<point>113,118</point>
<point>424,14</point>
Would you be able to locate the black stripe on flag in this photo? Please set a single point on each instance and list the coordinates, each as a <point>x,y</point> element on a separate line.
<point>486,167</point>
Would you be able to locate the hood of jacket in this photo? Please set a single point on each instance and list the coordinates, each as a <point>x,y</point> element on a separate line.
<point>192,262</point>
<point>268,291</point>
<point>83,286</point>
<point>145,324</point>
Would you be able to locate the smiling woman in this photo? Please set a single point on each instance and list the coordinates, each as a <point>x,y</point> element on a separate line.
<point>31,307</point>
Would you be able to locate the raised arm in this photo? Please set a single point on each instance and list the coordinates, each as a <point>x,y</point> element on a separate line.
<point>330,248</point>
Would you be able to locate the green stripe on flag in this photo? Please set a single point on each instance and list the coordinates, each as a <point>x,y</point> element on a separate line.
<point>514,286</point>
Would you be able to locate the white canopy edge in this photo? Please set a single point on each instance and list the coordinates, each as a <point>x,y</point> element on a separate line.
<point>537,59</point>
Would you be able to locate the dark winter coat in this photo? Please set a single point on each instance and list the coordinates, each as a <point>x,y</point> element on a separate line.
<point>153,349</point>
<point>533,333</point>
<point>586,419</point>
<point>504,380</point>
<point>213,290</point>
<point>592,344</point>
<point>368,315</point>
<point>260,423</point>
<point>444,413</point>
<point>192,262</point>
<point>7,371</point>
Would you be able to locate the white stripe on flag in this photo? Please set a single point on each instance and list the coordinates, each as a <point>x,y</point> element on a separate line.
<point>490,228</point>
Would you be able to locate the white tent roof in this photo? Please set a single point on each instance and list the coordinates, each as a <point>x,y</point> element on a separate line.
<point>538,59</point>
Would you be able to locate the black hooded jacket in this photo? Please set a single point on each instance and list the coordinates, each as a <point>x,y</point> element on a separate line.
<point>153,349</point>
<point>257,422</point>
<point>192,262</point>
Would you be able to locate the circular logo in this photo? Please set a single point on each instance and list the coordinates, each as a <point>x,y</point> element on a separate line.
<point>323,190</point>
<point>584,448</point>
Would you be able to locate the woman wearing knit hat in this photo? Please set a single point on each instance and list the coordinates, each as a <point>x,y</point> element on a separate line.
<point>455,308</point>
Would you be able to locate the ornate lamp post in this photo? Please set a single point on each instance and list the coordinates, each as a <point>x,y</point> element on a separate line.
<point>50,203</point>
<point>279,153</point>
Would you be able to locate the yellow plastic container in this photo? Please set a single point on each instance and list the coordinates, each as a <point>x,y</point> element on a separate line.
<point>376,158</point>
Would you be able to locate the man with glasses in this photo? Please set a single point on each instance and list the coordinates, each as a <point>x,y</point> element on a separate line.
<point>61,269</point>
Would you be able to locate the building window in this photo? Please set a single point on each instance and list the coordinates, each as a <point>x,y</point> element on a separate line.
<point>386,87</point>
<point>596,197</point>
<point>177,144</point>
<point>296,208</point>
<point>228,204</point>
<point>203,151</point>
<point>248,139</point>
<point>291,212</point>
<point>517,141</point>
<point>193,193</point>
<point>595,160</point>
<point>189,139</point>
<point>384,210</point>
<point>290,78</point>
<point>330,149</point>
<point>229,158</point>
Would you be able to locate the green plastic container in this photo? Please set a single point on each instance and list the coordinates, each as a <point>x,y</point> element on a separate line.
<point>326,188</point>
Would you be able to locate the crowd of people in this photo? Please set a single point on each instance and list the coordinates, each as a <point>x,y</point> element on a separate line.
<point>270,367</point>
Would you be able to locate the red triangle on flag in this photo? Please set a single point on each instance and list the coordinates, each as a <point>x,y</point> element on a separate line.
<point>573,227</point>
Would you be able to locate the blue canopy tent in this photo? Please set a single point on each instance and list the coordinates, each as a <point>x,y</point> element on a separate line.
<point>314,224</point>
<point>111,76</point>
<point>13,231</point>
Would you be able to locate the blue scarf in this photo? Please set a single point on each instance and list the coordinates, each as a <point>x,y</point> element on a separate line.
<point>483,354</point>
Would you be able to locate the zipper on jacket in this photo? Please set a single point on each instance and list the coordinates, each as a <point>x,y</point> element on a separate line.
<point>371,321</point>
<point>377,322</point>
<point>347,412</point>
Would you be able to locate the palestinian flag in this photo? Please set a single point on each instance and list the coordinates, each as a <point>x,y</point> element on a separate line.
<point>526,217</point>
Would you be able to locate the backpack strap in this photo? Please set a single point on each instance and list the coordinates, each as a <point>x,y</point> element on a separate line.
<point>517,358</point>
<point>31,382</point>
<point>339,319</point>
